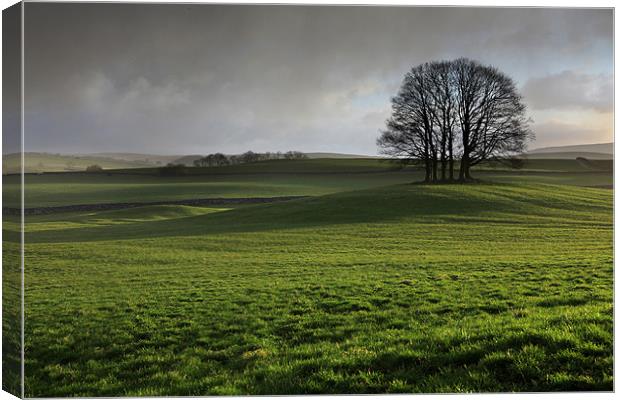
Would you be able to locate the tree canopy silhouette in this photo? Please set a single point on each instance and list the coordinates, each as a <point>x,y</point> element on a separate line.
<point>451,111</point>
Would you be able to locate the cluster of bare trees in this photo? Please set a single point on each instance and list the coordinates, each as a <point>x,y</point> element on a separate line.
<point>212,160</point>
<point>94,168</point>
<point>452,114</point>
<point>219,159</point>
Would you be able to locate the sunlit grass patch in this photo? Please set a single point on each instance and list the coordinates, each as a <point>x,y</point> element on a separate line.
<point>403,288</point>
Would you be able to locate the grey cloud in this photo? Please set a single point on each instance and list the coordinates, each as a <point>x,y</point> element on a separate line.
<point>201,78</point>
<point>570,90</point>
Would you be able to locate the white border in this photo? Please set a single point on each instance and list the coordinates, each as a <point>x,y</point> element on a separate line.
<point>478,3</point>
<point>23,221</point>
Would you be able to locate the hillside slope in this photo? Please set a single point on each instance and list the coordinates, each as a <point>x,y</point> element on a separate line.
<point>47,162</point>
<point>569,155</point>
<point>399,289</point>
<point>601,148</point>
<point>410,203</point>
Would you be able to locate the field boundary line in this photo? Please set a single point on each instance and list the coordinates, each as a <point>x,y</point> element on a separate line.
<point>119,206</point>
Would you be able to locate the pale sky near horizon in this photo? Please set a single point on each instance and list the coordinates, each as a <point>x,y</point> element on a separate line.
<point>196,79</point>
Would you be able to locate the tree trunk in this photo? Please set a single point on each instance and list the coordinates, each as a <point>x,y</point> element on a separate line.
<point>443,163</point>
<point>450,157</point>
<point>464,169</point>
<point>467,173</point>
<point>427,170</point>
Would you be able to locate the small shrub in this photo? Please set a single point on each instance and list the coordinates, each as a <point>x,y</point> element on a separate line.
<point>94,168</point>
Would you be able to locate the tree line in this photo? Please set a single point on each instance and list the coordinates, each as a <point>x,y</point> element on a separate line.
<point>219,159</point>
<point>449,112</point>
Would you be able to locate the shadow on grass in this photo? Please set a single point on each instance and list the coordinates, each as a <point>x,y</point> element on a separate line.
<point>423,203</point>
<point>524,361</point>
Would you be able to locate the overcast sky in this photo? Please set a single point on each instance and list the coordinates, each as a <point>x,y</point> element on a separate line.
<point>174,79</point>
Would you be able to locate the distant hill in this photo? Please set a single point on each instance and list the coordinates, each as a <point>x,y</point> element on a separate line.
<point>48,162</point>
<point>337,155</point>
<point>187,160</point>
<point>600,148</point>
<point>51,162</point>
<point>153,159</point>
<point>569,155</point>
<point>597,165</point>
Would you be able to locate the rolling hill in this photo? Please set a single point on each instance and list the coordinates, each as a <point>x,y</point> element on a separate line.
<point>400,288</point>
<point>337,155</point>
<point>596,150</point>
<point>569,155</point>
<point>153,159</point>
<point>47,162</point>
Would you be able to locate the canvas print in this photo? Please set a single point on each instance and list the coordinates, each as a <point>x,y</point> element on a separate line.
<point>231,199</point>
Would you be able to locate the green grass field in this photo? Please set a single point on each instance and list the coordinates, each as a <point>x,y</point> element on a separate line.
<point>266,179</point>
<point>372,285</point>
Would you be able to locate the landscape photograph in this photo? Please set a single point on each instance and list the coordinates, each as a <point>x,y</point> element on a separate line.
<point>225,200</point>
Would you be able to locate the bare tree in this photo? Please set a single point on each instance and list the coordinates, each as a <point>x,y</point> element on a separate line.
<point>409,133</point>
<point>490,113</point>
<point>294,155</point>
<point>219,159</point>
<point>443,113</point>
<point>249,156</point>
<point>455,109</point>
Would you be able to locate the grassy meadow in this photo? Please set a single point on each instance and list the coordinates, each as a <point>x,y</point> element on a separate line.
<point>312,177</point>
<point>372,284</point>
